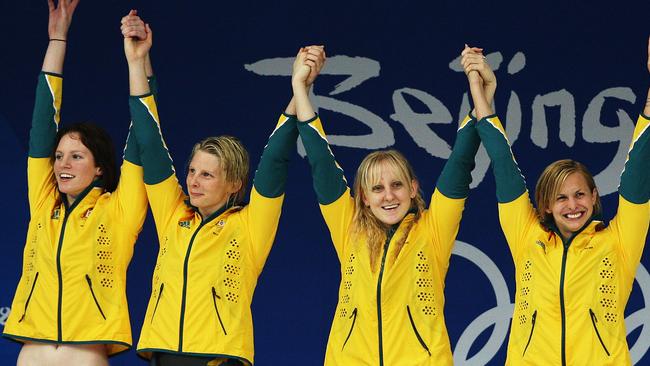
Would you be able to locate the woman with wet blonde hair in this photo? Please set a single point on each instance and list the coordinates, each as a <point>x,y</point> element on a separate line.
<point>574,273</point>
<point>394,253</point>
<point>213,246</point>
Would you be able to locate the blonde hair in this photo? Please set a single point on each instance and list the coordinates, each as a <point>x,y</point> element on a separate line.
<point>550,182</point>
<point>365,225</point>
<point>233,159</point>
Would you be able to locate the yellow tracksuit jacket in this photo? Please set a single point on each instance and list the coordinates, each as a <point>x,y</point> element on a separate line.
<point>73,284</point>
<point>395,314</point>
<point>571,294</point>
<point>207,267</point>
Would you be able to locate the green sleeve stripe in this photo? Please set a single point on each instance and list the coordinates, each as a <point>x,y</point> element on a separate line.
<point>271,174</point>
<point>45,118</point>
<point>635,178</point>
<point>329,180</point>
<point>154,155</point>
<point>456,176</point>
<point>509,180</point>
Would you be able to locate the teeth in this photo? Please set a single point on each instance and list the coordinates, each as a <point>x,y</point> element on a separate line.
<point>574,216</point>
<point>389,207</point>
<point>65,175</point>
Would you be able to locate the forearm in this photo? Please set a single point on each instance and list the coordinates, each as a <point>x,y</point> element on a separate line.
<point>271,174</point>
<point>482,107</point>
<point>304,109</point>
<point>635,178</point>
<point>138,83</point>
<point>509,180</point>
<point>54,56</point>
<point>456,176</point>
<point>329,181</point>
<point>646,109</point>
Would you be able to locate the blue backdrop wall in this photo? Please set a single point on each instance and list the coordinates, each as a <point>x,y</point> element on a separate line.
<point>572,79</point>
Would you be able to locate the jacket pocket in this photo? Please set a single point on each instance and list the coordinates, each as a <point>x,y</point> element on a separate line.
<point>155,308</point>
<point>216,309</point>
<point>415,329</point>
<point>594,320</point>
<point>29,297</point>
<point>532,329</point>
<point>353,316</point>
<point>90,286</point>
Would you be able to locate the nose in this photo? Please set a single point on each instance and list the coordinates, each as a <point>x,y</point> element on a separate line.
<point>389,194</point>
<point>572,203</point>
<point>192,181</point>
<point>65,161</point>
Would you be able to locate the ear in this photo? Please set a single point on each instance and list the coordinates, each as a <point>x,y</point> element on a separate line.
<point>364,199</point>
<point>594,195</point>
<point>414,188</point>
<point>98,171</point>
<point>235,186</point>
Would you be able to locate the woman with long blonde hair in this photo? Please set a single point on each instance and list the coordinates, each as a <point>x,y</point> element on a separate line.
<point>394,253</point>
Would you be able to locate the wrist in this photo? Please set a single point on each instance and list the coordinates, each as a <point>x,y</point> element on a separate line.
<point>299,86</point>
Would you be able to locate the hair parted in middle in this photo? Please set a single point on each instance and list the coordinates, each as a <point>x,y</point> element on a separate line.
<point>233,158</point>
<point>549,184</point>
<point>365,225</point>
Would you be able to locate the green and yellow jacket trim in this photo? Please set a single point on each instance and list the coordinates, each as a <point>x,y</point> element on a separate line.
<point>207,267</point>
<point>571,294</point>
<point>394,314</point>
<point>73,284</point>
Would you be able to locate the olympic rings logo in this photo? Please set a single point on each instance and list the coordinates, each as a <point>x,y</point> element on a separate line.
<point>500,315</point>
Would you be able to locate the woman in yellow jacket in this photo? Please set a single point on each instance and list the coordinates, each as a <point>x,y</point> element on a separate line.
<point>574,274</point>
<point>70,305</point>
<point>212,246</point>
<point>394,253</point>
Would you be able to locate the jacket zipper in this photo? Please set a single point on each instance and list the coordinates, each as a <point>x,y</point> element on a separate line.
<point>160,292</point>
<point>184,294</point>
<point>90,286</point>
<point>214,300</point>
<point>594,320</point>
<point>530,337</point>
<point>59,272</point>
<point>381,276</point>
<point>562,309</point>
<point>353,316</point>
<point>29,298</point>
<point>415,329</point>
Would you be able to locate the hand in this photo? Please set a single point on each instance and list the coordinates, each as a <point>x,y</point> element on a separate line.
<point>132,26</point>
<point>60,18</point>
<point>316,60</point>
<point>138,37</point>
<point>475,63</point>
<point>301,69</point>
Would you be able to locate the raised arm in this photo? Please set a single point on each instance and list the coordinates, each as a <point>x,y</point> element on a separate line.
<point>47,105</point>
<point>516,213</point>
<point>271,174</point>
<point>163,189</point>
<point>633,216</point>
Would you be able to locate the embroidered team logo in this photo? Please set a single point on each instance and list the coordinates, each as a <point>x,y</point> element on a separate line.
<point>56,214</point>
<point>221,222</point>
<point>539,242</point>
<point>218,226</point>
<point>87,213</point>
<point>184,223</point>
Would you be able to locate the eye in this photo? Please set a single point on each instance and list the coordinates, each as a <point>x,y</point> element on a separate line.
<point>580,194</point>
<point>561,198</point>
<point>377,188</point>
<point>191,170</point>
<point>77,156</point>
<point>206,175</point>
<point>58,156</point>
<point>397,184</point>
